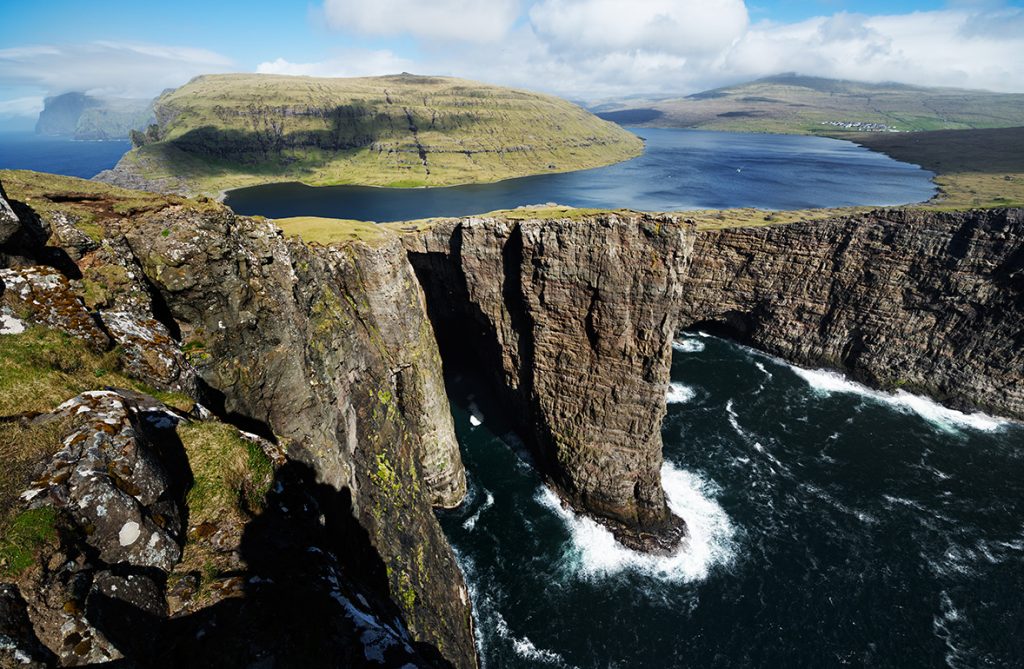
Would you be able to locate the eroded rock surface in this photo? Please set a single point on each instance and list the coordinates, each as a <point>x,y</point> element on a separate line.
<point>575,319</point>
<point>299,595</point>
<point>929,302</point>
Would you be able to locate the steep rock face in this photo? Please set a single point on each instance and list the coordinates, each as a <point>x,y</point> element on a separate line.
<point>101,587</point>
<point>330,350</point>
<point>574,318</point>
<point>327,349</point>
<point>926,301</point>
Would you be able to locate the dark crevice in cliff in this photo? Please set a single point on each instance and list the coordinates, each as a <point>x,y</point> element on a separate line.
<point>161,311</point>
<point>734,325</point>
<point>216,401</point>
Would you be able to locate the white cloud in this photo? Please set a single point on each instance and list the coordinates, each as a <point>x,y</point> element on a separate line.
<point>468,20</point>
<point>681,27</point>
<point>26,106</point>
<point>940,48</point>
<point>106,68</point>
<point>349,63</point>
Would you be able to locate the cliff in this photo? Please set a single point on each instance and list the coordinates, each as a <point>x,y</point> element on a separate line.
<point>86,117</point>
<point>225,433</point>
<point>930,302</point>
<point>574,320</point>
<point>227,131</point>
<point>325,352</point>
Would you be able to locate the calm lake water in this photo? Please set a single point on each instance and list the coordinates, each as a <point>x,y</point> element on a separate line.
<point>58,155</point>
<point>830,526</point>
<point>680,169</point>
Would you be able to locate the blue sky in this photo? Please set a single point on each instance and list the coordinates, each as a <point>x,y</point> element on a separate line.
<point>584,49</point>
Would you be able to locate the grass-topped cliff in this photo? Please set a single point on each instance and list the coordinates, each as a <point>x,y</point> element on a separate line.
<point>814,105</point>
<point>226,131</point>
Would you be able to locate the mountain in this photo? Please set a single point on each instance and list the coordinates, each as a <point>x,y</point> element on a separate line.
<point>84,116</point>
<point>225,131</point>
<point>791,103</point>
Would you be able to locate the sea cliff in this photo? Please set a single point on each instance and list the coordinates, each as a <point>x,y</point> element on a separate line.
<point>222,431</point>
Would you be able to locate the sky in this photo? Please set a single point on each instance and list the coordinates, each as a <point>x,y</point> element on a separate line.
<point>585,50</point>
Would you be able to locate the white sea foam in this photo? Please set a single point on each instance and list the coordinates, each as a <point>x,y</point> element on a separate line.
<point>525,648</point>
<point>828,382</point>
<point>594,552</point>
<point>476,417</point>
<point>688,345</point>
<point>679,393</point>
<point>470,522</point>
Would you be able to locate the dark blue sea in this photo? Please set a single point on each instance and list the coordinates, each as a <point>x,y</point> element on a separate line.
<point>59,155</point>
<point>679,169</point>
<point>830,526</point>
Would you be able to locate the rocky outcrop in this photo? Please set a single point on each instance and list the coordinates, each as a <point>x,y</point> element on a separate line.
<point>328,352</point>
<point>930,302</point>
<point>9,223</point>
<point>575,319</point>
<point>328,349</point>
<point>116,497</point>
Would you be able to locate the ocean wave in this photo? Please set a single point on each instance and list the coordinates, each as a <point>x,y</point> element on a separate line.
<point>679,393</point>
<point>688,345</point>
<point>524,648</point>
<point>594,553</point>
<point>827,382</point>
<point>470,522</point>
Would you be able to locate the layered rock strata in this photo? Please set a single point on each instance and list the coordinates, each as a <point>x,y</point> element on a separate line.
<point>326,351</point>
<point>574,320</point>
<point>929,302</point>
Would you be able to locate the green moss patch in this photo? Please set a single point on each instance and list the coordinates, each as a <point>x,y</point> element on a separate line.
<point>22,537</point>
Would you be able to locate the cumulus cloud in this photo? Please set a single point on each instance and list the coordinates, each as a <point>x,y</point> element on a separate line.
<point>106,68</point>
<point>678,27</point>
<point>469,20</point>
<point>593,48</point>
<point>348,63</point>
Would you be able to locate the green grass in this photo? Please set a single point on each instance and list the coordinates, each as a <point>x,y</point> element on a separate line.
<point>231,474</point>
<point>97,209</point>
<point>22,536</point>
<point>225,131</point>
<point>332,230</point>
<point>41,368</point>
<point>975,168</point>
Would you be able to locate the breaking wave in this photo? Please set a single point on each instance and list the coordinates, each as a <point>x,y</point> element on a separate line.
<point>828,382</point>
<point>593,551</point>
<point>679,393</point>
<point>688,345</point>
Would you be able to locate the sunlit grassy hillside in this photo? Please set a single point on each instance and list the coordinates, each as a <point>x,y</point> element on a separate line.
<point>224,131</point>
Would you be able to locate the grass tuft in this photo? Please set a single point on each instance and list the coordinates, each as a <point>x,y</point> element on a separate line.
<point>22,536</point>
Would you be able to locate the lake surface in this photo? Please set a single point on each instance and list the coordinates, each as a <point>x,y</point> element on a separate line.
<point>59,155</point>
<point>680,169</point>
<point>830,525</point>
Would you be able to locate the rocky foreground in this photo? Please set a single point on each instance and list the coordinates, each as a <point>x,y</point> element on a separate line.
<point>234,440</point>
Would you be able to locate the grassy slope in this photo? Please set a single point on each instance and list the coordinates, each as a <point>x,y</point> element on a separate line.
<point>975,168</point>
<point>792,104</point>
<point>225,131</point>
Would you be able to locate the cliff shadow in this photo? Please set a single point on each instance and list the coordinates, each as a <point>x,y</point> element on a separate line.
<point>313,593</point>
<point>471,353</point>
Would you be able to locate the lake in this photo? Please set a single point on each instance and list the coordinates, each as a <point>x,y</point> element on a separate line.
<point>679,170</point>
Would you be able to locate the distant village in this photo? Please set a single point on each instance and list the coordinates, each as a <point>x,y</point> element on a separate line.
<point>859,125</point>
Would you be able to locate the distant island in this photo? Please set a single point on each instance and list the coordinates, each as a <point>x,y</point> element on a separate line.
<point>220,132</point>
<point>87,117</point>
<point>792,103</point>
